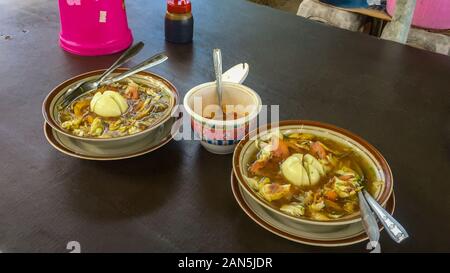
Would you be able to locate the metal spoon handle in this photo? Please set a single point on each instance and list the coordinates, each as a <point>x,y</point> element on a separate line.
<point>125,57</point>
<point>368,219</point>
<point>85,86</point>
<point>150,62</point>
<point>217,56</point>
<point>393,228</point>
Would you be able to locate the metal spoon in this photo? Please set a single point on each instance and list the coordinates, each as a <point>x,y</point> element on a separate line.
<point>85,86</point>
<point>217,56</point>
<point>368,220</point>
<point>396,231</point>
<point>150,62</point>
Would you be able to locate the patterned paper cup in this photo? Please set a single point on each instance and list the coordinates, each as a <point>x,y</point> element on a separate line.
<point>219,136</point>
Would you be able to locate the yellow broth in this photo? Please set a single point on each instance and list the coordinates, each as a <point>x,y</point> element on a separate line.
<point>146,105</point>
<point>342,173</point>
<point>225,114</point>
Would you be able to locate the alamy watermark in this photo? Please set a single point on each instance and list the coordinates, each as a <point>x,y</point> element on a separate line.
<point>229,122</point>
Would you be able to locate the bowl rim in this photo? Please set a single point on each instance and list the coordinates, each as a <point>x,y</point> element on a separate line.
<point>382,198</point>
<point>63,149</point>
<point>225,123</point>
<point>55,91</point>
<point>239,196</point>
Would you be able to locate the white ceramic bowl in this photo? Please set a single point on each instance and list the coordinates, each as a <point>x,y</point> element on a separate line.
<point>50,112</point>
<point>219,136</point>
<point>246,149</point>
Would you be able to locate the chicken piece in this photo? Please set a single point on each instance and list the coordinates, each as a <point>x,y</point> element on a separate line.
<point>132,90</point>
<point>257,184</point>
<point>294,208</point>
<point>274,191</point>
<point>306,198</point>
<point>72,124</point>
<point>262,159</point>
<point>318,150</point>
<point>317,206</point>
<point>346,188</point>
<point>279,148</point>
<point>346,173</point>
<point>269,154</point>
<point>115,125</point>
<point>96,127</point>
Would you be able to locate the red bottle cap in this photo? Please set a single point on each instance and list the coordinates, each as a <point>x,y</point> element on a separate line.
<point>179,6</point>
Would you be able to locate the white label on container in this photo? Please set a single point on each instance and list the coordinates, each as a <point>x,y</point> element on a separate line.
<point>102,18</point>
<point>74,2</point>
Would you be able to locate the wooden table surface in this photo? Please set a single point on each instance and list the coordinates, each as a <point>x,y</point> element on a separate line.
<point>178,199</point>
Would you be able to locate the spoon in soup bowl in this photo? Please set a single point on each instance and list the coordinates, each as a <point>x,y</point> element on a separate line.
<point>395,230</point>
<point>86,86</point>
<point>147,63</point>
<point>368,220</point>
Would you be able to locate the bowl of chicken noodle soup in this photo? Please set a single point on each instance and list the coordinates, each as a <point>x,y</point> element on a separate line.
<point>117,114</point>
<point>311,172</point>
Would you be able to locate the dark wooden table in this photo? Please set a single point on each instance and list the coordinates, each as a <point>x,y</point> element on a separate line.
<point>179,198</point>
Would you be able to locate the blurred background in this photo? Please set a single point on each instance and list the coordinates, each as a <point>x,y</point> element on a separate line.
<point>423,24</point>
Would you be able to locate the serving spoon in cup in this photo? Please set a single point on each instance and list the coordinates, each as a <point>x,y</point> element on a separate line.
<point>217,56</point>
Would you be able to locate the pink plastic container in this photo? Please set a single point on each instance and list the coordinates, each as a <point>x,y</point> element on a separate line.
<point>432,14</point>
<point>94,27</point>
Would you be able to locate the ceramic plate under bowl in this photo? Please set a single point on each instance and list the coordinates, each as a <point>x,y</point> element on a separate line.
<point>83,150</point>
<point>297,232</point>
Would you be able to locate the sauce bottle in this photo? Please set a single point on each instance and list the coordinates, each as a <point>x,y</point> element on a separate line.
<point>179,23</point>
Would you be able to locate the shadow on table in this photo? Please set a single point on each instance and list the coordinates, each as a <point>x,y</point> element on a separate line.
<point>113,190</point>
<point>225,215</point>
<point>214,191</point>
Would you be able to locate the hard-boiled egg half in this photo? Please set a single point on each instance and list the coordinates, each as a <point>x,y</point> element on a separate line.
<point>302,170</point>
<point>108,104</point>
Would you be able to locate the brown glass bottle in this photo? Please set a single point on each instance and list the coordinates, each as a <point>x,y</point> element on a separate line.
<point>179,22</point>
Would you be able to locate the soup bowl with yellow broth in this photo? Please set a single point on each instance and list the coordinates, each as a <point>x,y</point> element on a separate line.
<point>115,115</point>
<point>310,172</point>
